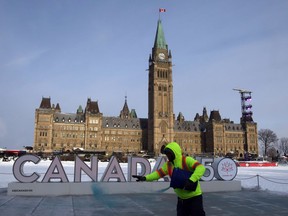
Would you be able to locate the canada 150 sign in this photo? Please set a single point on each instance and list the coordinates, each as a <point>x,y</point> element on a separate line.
<point>220,168</point>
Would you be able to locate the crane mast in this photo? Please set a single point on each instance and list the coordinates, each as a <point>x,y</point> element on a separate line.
<point>246,106</point>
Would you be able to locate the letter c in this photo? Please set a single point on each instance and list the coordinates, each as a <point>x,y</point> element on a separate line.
<point>18,169</point>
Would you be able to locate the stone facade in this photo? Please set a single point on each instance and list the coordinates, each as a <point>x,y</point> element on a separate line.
<point>89,130</point>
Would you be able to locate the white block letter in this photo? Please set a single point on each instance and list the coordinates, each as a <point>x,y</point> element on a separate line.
<point>18,169</point>
<point>58,174</point>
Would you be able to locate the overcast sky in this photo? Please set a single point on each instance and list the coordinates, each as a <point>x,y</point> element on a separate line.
<point>99,49</point>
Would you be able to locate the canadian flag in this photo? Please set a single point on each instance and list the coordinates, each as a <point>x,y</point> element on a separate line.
<point>162,10</point>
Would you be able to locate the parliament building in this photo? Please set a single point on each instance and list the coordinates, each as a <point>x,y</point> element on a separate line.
<point>89,130</point>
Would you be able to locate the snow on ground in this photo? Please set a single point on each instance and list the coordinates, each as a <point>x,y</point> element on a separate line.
<point>274,179</point>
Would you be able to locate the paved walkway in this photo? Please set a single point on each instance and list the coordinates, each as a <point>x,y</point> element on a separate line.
<point>228,204</point>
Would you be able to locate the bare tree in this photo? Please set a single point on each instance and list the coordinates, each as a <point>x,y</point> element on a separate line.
<point>267,138</point>
<point>283,145</point>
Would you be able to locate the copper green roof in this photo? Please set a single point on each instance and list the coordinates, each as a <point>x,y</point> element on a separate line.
<point>80,110</point>
<point>160,39</point>
<point>133,113</point>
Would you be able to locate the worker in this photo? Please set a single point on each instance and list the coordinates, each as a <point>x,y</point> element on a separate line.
<point>185,173</point>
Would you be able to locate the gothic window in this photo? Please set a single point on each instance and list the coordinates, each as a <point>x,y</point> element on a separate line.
<point>163,128</point>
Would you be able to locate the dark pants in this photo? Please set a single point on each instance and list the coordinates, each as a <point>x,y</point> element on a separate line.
<point>190,207</point>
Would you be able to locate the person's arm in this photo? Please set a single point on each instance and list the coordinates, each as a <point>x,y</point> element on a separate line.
<point>154,175</point>
<point>199,170</point>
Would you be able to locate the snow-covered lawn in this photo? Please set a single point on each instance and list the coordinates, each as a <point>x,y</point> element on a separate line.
<point>267,178</point>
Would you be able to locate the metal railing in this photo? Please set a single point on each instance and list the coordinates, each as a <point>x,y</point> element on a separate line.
<point>260,181</point>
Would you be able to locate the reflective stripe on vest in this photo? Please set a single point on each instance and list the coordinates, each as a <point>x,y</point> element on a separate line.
<point>184,166</point>
<point>195,165</point>
<point>170,169</point>
<point>161,172</point>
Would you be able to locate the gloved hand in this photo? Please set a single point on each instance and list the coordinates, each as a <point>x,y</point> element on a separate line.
<point>139,178</point>
<point>190,185</point>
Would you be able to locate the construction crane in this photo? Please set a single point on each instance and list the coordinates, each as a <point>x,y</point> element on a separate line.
<point>246,105</point>
<point>242,90</point>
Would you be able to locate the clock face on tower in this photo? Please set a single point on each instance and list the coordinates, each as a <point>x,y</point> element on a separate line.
<point>161,56</point>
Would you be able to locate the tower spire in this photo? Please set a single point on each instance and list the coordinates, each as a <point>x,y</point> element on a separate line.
<point>160,41</point>
<point>125,112</point>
